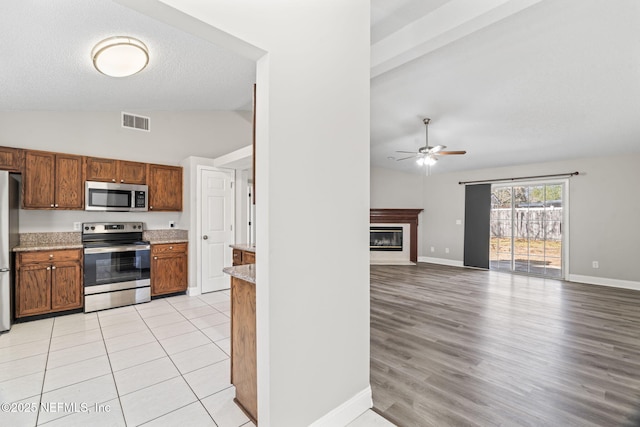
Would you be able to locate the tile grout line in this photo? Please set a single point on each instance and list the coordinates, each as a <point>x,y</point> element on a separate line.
<point>44,374</point>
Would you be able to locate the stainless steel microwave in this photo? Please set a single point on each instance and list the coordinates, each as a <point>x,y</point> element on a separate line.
<point>104,196</point>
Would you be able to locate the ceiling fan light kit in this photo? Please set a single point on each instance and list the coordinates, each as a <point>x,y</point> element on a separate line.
<point>120,56</point>
<point>428,155</point>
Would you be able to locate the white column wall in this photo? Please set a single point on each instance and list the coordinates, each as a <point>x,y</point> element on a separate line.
<point>312,181</point>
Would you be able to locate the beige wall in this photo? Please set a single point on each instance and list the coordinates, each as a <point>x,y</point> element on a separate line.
<point>603,207</point>
<point>174,136</point>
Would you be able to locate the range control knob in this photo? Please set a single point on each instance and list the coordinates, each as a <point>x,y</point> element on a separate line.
<point>86,228</point>
<point>93,228</point>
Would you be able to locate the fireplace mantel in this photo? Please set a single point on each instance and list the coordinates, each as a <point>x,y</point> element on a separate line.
<point>400,216</point>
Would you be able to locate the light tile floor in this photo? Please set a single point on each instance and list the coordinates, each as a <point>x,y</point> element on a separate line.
<point>163,363</point>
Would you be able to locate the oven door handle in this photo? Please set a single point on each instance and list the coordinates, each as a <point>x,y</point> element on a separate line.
<point>110,249</point>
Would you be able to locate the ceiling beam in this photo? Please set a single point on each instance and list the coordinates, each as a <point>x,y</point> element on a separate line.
<point>450,22</point>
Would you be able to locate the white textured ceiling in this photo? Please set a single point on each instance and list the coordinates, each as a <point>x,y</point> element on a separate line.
<point>45,62</point>
<point>524,82</point>
<point>510,81</point>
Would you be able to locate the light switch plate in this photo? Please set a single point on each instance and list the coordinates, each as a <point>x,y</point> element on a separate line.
<point>77,226</point>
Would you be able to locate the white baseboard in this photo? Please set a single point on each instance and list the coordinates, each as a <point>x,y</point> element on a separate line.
<point>603,281</point>
<point>378,262</point>
<point>348,411</point>
<point>193,292</point>
<point>441,261</point>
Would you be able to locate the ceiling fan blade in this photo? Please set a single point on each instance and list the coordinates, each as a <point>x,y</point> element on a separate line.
<point>449,153</point>
<point>437,149</point>
<point>407,152</point>
<point>405,158</point>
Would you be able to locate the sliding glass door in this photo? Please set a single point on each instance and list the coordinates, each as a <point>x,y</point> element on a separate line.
<point>526,228</point>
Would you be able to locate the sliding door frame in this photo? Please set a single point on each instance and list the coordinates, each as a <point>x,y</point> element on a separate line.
<point>565,221</point>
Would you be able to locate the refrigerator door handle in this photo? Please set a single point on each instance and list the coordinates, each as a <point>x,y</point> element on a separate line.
<point>4,270</point>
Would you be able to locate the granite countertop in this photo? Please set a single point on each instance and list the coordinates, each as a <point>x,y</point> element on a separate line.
<point>246,272</point>
<point>49,241</point>
<point>244,247</point>
<point>166,236</point>
<point>73,240</point>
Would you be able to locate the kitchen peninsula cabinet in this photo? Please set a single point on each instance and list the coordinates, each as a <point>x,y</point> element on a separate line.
<point>243,254</point>
<point>52,181</point>
<point>244,368</point>
<point>10,159</point>
<point>165,187</point>
<point>169,268</point>
<point>117,171</point>
<point>48,281</point>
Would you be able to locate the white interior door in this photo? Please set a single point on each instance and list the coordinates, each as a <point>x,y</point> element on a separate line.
<point>216,228</point>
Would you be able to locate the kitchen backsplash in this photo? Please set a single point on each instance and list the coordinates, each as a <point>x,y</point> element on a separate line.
<point>170,234</point>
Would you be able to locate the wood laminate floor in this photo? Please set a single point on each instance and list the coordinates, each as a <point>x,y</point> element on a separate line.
<point>461,347</point>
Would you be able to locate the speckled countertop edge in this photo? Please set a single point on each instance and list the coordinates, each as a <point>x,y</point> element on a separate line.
<point>244,247</point>
<point>47,247</point>
<point>162,241</point>
<point>246,272</point>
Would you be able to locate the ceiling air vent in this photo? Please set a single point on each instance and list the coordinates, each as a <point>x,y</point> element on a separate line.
<point>135,122</point>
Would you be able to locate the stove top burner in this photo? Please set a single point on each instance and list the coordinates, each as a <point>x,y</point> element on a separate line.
<point>96,234</point>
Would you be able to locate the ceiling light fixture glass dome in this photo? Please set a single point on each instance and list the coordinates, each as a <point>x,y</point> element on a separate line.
<point>120,56</point>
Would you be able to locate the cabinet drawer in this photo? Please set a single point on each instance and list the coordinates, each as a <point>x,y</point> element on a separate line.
<point>248,258</point>
<point>44,256</point>
<point>168,248</point>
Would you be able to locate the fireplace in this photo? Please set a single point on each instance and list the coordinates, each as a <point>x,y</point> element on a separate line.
<point>385,239</point>
<point>408,218</point>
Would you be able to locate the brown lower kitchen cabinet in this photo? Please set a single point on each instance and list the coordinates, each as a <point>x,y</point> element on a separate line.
<point>169,268</point>
<point>244,374</point>
<point>242,257</point>
<point>48,281</point>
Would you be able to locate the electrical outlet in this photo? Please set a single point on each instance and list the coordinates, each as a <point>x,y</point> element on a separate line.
<point>433,249</point>
<point>446,250</point>
<point>77,226</point>
<point>595,264</point>
<point>172,224</point>
<point>458,222</point>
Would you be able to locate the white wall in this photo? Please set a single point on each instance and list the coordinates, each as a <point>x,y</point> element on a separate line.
<point>602,204</point>
<point>173,137</point>
<point>312,124</point>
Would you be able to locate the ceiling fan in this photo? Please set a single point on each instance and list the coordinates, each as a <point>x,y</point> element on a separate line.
<point>428,155</point>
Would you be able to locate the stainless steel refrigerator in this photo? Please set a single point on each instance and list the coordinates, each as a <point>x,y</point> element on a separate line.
<point>9,237</point>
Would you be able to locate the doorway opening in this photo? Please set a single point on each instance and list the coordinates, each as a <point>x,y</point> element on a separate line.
<point>527,228</point>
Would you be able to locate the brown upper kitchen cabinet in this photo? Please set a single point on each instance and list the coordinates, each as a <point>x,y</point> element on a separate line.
<point>48,281</point>
<point>10,159</point>
<point>52,181</point>
<point>169,268</point>
<point>118,171</point>
<point>165,187</point>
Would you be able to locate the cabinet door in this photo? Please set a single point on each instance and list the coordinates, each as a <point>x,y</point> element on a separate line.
<point>104,170</point>
<point>69,183</point>
<point>10,159</point>
<point>33,289</point>
<point>165,188</point>
<point>66,286</point>
<point>169,274</point>
<point>243,344</point>
<point>133,172</point>
<point>38,180</point>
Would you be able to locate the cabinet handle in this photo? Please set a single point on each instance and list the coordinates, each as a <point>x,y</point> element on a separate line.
<point>170,247</point>
<point>53,267</point>
<point>122,180</point>
<point>52,205</point>
<point>150,207</point>
<point>56,205</point>
<point>48,268</point>
<point>50,255</point>
<point>113,180</point>
<point>155,257</point>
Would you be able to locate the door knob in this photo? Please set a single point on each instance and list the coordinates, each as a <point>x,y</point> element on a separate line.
<point>205,237</point>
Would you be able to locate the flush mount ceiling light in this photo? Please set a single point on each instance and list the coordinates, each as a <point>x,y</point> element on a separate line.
<point>120,56</point>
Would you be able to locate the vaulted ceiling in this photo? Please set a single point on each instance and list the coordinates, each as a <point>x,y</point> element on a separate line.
<point>510,81</point>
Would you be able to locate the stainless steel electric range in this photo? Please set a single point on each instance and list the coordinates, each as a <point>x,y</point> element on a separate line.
<point>116,265</point>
